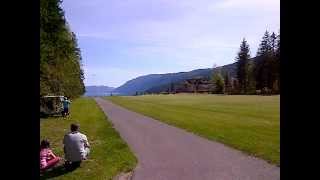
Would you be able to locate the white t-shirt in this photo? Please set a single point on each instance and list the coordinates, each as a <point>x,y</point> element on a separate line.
<point>74,146</point>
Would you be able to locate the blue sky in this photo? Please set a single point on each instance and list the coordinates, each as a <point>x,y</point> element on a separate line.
<point>123,39</point>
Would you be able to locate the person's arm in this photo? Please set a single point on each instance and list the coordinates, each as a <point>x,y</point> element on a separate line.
<point>85,141</point>
<point>64,144</point>
<point>51,155</point>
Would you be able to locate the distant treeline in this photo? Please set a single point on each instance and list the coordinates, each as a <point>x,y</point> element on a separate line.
<point>60,57</point>
<point>261,76</point>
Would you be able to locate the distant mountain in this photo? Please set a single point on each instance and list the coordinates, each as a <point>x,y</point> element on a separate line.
<point>98,90</point>
<point>158,82</point>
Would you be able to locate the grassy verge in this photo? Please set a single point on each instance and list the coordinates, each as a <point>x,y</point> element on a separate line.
<point>109,155</point>
<point>247,123</point>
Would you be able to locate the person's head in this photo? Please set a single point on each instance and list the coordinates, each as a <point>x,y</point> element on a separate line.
<point>44,144</point>
<point>74,127</point>
<point>65,98</point>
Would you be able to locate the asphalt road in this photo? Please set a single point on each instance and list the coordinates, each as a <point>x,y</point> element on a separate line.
<point>168,153</point>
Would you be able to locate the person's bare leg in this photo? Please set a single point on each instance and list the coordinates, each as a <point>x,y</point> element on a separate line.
<point>52,163</point>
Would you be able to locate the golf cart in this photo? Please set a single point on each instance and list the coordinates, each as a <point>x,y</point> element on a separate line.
<point>51,105</point>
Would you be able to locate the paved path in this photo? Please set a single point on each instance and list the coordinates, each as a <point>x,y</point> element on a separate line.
<point>168,153</point>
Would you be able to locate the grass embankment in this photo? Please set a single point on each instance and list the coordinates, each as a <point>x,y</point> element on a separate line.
<point>109,155</point>
<point>247,123</point>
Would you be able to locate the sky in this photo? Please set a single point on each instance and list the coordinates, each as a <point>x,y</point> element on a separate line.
<point>123,39</point>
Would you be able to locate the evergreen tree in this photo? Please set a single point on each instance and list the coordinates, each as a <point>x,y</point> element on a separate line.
<point>242,61</point>
<point>267,65</point>
<point>273,64</point>
<point>60,57</point>
<point>227,83</point>
<point>278,46</point>
<point>235,86</point>
<point>264,47</point>
<point>278,61</point>
<point>251,79</point>
<point>273,44</point>
<point>262,62</point>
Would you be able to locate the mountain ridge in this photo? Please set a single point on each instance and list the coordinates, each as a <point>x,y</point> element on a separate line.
<point>152,81</point>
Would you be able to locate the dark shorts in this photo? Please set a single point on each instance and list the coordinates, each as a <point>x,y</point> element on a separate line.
<point>72,165</point>
<point>66,110</point>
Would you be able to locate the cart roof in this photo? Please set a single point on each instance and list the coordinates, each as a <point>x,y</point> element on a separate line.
<point>52,96</point>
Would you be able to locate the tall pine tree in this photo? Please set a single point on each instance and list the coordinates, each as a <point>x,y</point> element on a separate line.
<point>262,62</point>
<point>278,46</point>
<point>267,63</point>
<point>264,47</point>
<point>273,44</point>
<point>277,57</point>
<point>273,72</point>
<point>242,61</point>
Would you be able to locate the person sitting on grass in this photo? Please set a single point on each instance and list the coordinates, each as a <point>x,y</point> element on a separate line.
<point>76,147</point>
<point>47,158</point>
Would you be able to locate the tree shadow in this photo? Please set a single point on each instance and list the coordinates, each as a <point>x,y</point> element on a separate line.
<point>56,171</point>
<point>46,116</point>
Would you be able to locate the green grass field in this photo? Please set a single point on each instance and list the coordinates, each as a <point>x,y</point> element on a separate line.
<point>247,123</point>
<point>109,155</point>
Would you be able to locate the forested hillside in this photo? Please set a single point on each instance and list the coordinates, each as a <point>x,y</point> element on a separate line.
<point>144,83</point>
<point>155,83</point>
<point>60,57</point>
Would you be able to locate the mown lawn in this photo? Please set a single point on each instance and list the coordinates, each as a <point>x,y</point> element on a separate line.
<point>247,123</point>
<point>109,155</point>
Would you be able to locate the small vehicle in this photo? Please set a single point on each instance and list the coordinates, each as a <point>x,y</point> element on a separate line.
<point>51,105</point>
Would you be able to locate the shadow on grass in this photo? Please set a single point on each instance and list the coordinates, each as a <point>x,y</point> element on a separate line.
<point>48,117</point>
<point>56,171</point>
